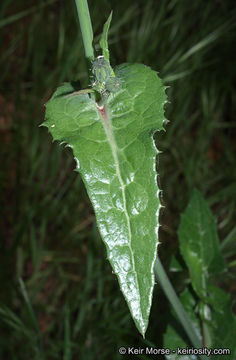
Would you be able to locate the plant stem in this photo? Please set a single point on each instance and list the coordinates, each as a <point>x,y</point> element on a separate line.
<point>86,28</point>
<point>177,306</point>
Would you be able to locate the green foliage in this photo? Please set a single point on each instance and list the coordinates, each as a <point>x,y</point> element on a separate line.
<point>199,243</point>
<point>114,150</point>
<point>101,70</point>
<point>104,39</point>
<point>210,308</point>
<point>105,81</point>
<point>219,323</point>
<point>175,337</point>
<point>47,227</point>
<point>214,323</point>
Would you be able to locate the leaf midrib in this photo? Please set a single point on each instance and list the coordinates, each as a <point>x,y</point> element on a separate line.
<point>104,115</point>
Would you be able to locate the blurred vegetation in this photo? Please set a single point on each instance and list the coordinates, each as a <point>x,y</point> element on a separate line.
<point>58,297</point>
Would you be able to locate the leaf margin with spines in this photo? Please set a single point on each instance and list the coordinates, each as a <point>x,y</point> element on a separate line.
<point>131,75</point>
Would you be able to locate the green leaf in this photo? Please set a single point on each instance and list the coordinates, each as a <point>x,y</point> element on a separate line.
<point>116,156</point>
<point>103,41</point>
<point>199,243</point>
<point>219,321</point>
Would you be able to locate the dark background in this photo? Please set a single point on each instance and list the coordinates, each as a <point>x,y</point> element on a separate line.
<point>67,304</point>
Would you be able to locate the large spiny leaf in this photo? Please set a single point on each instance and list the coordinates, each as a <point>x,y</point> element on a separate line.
<point>116,157</point>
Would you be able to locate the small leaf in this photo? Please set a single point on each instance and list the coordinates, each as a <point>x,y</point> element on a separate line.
<point>104,39</point>
<point>199,243</point>
<point>116,156</point>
